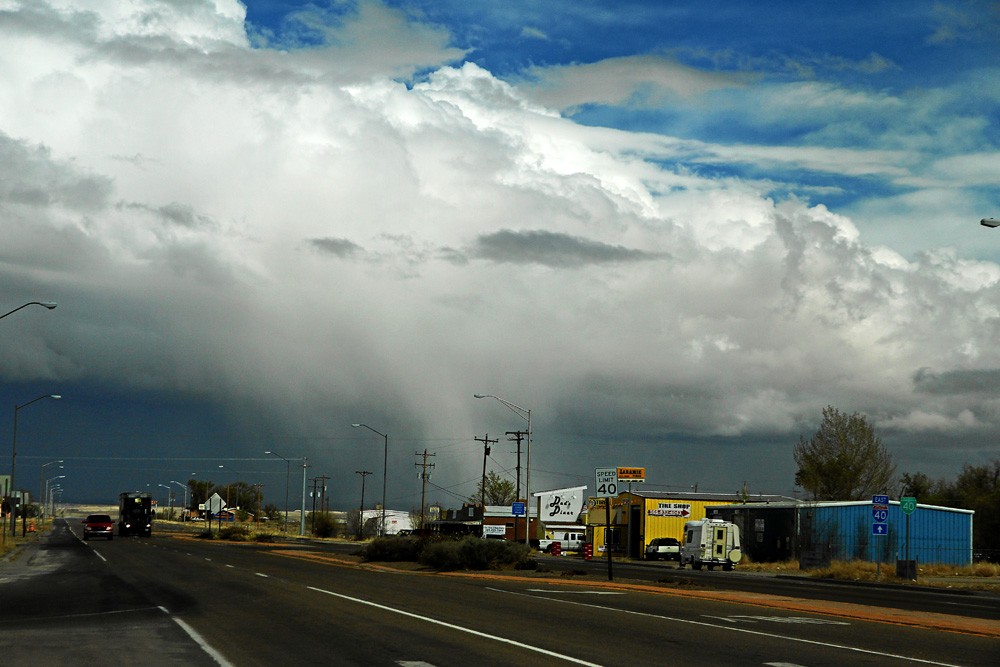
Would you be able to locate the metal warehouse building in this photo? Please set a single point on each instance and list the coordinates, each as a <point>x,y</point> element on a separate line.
<point>843,531</point>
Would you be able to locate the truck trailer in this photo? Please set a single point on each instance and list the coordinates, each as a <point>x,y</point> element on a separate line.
<point>135,514</point>
<point>711,542</point>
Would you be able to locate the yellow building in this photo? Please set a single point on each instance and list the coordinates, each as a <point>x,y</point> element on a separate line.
<point>653,514</point>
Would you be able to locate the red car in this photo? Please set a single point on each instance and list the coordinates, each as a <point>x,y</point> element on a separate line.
<point>98,525</point>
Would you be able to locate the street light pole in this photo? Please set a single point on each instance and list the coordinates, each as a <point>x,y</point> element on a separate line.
<point>228,486</point>
<point>170,499</point>
<point>385,466</point>
<point>13,456</point>
<point>47,498</point>
<point>302,514</point>
<point>525,414</point>
<point>45,304</point>
<point>41,474</point>
<point>288,472</point>
<point>990,222</point>
<point>185,487</point>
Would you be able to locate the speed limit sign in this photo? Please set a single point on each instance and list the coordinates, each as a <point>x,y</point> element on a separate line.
<point>607,482</point>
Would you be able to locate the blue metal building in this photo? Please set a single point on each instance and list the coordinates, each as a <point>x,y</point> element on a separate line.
<point>843,531</point>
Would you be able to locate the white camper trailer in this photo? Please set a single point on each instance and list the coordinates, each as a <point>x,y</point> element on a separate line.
<point>711,542</point>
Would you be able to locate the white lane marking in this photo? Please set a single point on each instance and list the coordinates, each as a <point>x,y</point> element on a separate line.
<point>101,613</point>
<point>806,620</point>
<point>413,663</point>
<point>230,566</point>
<point>100,556</point>
<point>199,640</point>
<point>260,575</point>
<point>451,626</point>
<point>782,664</point>
<point>542,590</point>
<point>732,629</point>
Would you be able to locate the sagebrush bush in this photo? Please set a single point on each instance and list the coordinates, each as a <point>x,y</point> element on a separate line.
<point>393,549</point>
<point>323,525</point>
<point>235,534</point>
<point>474,553</point>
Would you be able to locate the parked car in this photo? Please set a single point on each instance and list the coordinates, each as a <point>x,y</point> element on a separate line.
<point>98,525</point>
<point>667,548</point>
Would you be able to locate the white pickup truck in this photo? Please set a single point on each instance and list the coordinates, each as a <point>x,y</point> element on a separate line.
<point>711,542</point>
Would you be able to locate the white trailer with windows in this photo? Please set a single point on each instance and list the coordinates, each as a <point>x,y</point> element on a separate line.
<point>711,542</point>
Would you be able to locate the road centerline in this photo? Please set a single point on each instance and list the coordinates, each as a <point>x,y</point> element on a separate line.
<point>459,628</point>
<point>729,628</point>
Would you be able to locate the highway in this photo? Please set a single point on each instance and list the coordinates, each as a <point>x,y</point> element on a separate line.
<point>173,600</point>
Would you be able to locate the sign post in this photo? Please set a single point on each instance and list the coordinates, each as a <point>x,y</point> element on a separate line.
<point>215,505</point>
<point>607,486</point>
<point>880,518</point>
<point>908,504</point>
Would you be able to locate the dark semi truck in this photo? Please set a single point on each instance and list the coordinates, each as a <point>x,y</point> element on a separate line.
<point>135,514</point>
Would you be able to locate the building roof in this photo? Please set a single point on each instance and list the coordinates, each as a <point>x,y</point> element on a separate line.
<point>805,504</point>
<point>566,490</point>
<point>734,498</point>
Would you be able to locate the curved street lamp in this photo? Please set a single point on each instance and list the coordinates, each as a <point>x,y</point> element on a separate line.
<point>524,414</point>
<point>13,456</point>
<point>47,498</point>
<point>989,222</point>
<point>228,486</point>
<point>385,465</point>
<point>185,487</point>
<point>45,304</point>
<point>41,475</point>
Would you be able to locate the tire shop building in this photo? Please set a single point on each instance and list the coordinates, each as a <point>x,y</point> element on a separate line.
<point>641,516</point>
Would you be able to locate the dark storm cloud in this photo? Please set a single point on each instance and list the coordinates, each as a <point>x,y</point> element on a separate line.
<point>949,383</point>
<point>30,176</point>
<point>181,215</point>
<point>553,249</point>
<point>341,248</point>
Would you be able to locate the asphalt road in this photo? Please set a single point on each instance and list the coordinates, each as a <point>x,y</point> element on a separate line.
<point>171,601</point>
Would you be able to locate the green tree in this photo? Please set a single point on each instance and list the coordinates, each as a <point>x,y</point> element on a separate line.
<point>976,488</point>
<point>271,511</point>
<point>844,460</point>
<point>499,491</point>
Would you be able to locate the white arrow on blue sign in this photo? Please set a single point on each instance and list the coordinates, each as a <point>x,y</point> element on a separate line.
<point>879,529</point>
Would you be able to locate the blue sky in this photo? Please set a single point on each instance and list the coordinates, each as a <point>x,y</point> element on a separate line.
<point>676,231</point>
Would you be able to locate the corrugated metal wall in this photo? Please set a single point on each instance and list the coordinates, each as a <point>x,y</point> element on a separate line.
<point>937,535</point>
<point>671,526</point>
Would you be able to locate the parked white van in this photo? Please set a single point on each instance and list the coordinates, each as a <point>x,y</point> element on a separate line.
<point>711,542</point>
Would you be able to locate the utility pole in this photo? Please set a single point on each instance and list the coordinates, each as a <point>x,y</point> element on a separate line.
<point>361,512</point>
<point>482,495</point>
<point>424,476</point>
<point>518,436</point>
<point>258,485</point>
<point>302,514</point>
<point>319,486</point>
